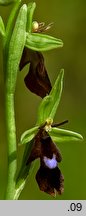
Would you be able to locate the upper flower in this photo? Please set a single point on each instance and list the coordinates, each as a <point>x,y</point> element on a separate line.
<point>37,80</point>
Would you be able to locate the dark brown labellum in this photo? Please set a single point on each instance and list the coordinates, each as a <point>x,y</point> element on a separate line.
<point>37,80</point>
<point>50,180</point>
<point>49,176</point>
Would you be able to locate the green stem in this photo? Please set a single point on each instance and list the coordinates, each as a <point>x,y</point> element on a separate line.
<point>12,57</point>
<point>11,143</point>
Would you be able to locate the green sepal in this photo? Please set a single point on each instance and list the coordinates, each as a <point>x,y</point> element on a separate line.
<point>16,47</point>
<point>6,2</point>
<point>28,135</point>
<point>49,104</point>
<point>30,11</point>
<point>42,42</point>
<point>61,135</point>
<point>2,27</point>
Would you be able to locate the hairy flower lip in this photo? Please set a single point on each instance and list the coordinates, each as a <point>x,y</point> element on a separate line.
<point>48,177</point>
<point>50,181</point>
<point>36,80</point>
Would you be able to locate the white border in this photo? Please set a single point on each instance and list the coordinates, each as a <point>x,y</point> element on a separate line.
<point>40,208</point>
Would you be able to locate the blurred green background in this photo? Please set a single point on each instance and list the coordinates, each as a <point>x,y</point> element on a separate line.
<point>69,19</point>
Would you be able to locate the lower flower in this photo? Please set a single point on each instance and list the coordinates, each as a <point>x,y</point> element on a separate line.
<point>49,176</point>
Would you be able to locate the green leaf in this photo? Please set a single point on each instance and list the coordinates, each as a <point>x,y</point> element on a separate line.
<point>28,135</point>
<point>30,11</point>
<point>61,135</point>
<point>19,188</point>
<point>6,2</point>
<point>49,104</point>
<point>42,42</point>
<point>16,47</point>
<point>24,171</point>
<point>2,27</point>
<point>10,23</point>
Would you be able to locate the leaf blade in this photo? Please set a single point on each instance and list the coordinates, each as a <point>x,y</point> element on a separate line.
<point>16,46</point>
<point>9,26</point>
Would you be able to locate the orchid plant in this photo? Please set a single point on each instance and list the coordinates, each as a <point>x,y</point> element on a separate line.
<point>23,43</point>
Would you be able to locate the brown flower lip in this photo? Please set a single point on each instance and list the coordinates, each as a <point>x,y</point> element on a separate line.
<point>36,80</point>
<point>49,176</point>
<point>50,180</point>
<point>41,27</point>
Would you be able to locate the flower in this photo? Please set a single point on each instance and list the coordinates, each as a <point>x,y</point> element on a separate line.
<point>49,176</point>
<point>36,80</point>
